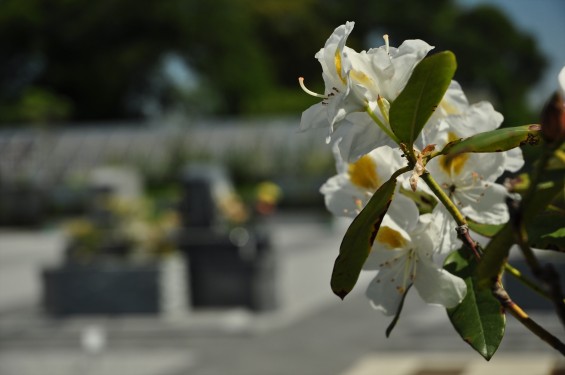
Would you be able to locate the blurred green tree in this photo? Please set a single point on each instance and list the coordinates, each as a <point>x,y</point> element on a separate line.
<point>108,59</point>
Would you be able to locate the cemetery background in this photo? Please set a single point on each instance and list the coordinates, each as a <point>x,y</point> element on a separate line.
<point>304,329</point>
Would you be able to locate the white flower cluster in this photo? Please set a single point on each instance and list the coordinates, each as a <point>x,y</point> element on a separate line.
<point>409,246</point>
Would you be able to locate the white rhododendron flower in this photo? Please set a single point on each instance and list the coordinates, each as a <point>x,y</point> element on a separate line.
<point>405,244</point>
<point>455,118</point>
<point>360,82</point>
<point>349,191</point>
<point>465,176</point>
<point>337,98</point>
<point>469,179</point>
<point>411,243</point>
<point>403,254</point>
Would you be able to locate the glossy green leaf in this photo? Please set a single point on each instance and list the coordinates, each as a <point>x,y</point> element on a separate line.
<point>358,240</point>
<point>495,141</point>
<point>479,318</point>
<point>487,230</point>
<point>494,256</point>
<point>413,107</point>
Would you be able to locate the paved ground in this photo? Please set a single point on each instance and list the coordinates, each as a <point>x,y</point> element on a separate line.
<point>313,334</point>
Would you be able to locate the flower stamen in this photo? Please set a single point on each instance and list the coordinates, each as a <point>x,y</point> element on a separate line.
<point>309,92</point>
<point>387,46</point>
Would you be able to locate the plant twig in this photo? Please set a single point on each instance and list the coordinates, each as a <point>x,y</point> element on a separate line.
<point>523,318</point>
<point>465,237</point>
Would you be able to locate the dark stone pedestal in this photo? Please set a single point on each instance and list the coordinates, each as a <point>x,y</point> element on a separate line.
<point>226,271</point>
<point>101,288</point>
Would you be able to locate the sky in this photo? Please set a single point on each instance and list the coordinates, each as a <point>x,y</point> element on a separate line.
<point>545,20</point>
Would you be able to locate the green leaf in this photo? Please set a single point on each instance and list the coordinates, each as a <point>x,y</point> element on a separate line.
<point>556,234</point>
<point>479,318</point>
<point>359,238</point>
<point>494,257</point>
<point>495,141</point>
<point>413,107</point>
<point>487,230</point>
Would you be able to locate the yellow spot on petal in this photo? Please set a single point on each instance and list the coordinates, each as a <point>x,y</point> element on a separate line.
<point>363,173</point>
<point>360,77</point>
<point>453,164</point>
<point>391,238</point>
<point>337,62</point>
<point>448,108</point>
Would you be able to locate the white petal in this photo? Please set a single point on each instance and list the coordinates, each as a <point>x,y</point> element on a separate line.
<point>405,59</point>
<point>401,218</point>
<point>514,160</point>
<point>388,160</point>
<point>425,236</point>
<point>359,135</point>
<point>342,198</point>
<point>404,213</point>
<point>383,293</point>
<point>491,207</point>
<point>341,165</point>
<point>454,102</point>
<point>481,117</point>
<point>461,122</point>
<point>480,167</point>
<point>445,225</point>
<point>392,69</point>
<point>337,108</point>
<point>326,56</point>
<point>314,117</point>
<point>437,286</point>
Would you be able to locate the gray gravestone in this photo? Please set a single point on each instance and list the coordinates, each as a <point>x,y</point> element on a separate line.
<point>227,266</point>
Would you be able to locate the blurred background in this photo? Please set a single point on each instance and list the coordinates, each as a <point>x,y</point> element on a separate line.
<point>159,210</point>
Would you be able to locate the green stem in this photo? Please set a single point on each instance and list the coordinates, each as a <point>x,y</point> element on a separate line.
<point>516,273</point>
<point>462,228</point>
<point>381,125</point>
<point>401,171</point>
<point>444,199</point>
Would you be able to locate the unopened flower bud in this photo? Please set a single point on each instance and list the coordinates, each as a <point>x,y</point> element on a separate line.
<point>553,120</point>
